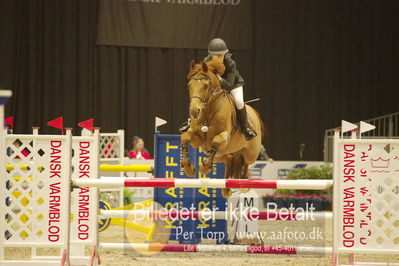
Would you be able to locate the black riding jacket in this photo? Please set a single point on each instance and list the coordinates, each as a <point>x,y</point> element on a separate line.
<point>231,78</point>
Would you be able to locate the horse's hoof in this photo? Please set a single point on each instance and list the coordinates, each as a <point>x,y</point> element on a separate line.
<point>206,167</point>
<point>226,193</point>
<point>244,190</point>
<point>190,171</point>
<point>204,170</point>
<point>184,163</point>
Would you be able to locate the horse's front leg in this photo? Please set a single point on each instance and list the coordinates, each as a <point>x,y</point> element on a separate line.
<point>189,168</point>
<point>218,144</point>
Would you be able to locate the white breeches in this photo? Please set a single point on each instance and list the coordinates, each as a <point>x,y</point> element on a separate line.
<point>238,97</point>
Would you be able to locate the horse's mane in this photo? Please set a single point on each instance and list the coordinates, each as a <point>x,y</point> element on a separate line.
<point>194,69</point>
<point>216,67</point>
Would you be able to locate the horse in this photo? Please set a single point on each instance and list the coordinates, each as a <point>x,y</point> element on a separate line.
<point>214,126</point>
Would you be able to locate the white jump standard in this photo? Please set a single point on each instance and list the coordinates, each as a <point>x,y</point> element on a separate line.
<point>36,208</point>
<point>204,183</point>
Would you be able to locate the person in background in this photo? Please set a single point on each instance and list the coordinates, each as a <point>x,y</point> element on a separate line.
<point>138,150</point>
<point>263,156</point>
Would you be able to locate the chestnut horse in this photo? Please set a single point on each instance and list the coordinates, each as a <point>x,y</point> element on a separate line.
<point>214,126</point>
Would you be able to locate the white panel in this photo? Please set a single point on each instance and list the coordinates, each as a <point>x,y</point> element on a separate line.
<point>366,193</point>
<point>84,200</point>
<point>35,192</point>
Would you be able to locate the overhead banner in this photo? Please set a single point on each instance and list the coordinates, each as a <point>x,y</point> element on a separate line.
<point>175,23</point>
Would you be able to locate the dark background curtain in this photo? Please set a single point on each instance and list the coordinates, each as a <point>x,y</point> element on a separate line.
<point>174,24</point>
<point>313,64</point>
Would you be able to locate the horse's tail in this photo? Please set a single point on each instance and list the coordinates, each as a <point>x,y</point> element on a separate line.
<point>262,125</point>
<point>239,168</point>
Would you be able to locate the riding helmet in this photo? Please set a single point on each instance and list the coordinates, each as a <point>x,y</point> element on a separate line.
<point>217,46</point>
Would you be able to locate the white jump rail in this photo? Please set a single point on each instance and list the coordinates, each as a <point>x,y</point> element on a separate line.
<point>217,215</point>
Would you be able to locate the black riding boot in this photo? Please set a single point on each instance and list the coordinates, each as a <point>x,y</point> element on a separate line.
<point>184,127</point>
<point>246,128</point>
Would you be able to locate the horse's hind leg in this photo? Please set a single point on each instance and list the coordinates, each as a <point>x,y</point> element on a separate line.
<point>189,168</point>
<point>244,176</point>
<point>226,192</point>
<point>249,155</point>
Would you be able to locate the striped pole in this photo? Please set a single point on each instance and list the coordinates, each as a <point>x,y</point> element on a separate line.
<point>204,183</point>
<point>126,168</point>
<point>215,215</point>
<point>251,249</point>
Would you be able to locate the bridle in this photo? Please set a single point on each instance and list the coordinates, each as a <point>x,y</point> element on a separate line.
<point>213,94</point>
<point>206,102</point>
<point>198,97</point>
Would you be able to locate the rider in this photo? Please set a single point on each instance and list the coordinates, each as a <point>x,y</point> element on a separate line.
<point>232,81</point>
